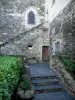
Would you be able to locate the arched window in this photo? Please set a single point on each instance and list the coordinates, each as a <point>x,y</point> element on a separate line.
<point>31,18</point>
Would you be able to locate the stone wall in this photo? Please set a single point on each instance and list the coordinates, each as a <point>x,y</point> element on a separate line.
<point>14,34</point>
<point>12,16</point>
<point>45,34</point>
<point>66,77</point>
<point>19,44</point>
<point>63,29</point>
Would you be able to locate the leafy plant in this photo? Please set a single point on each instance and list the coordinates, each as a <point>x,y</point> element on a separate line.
<point>67,61</point>
<point>25,83</point>
<point>9,75</point>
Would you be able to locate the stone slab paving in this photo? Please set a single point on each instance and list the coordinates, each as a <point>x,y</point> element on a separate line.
<point>40,69</point>
<point>44,69</point>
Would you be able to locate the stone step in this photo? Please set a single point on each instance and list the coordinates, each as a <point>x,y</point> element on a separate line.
<point>53,96</point>
<point>43,76</point>
<point>49,88</point>
<point>32,61</point>
<point>45,81</point>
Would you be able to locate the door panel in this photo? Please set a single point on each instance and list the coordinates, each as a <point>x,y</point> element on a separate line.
<point>45,53</point>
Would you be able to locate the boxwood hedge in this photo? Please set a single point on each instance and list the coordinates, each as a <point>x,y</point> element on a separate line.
<point>9,75</point>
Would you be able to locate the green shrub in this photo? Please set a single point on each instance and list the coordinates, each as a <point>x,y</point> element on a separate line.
<point>67,61</point>
<point>9,75</point>
<point>25,83</point>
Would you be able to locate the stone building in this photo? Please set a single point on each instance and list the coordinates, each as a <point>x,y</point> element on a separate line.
<point>22,29</point>
<point>62,40</point>
<point>61,17</point>
<point>62,31</point>
<point>25,30</point>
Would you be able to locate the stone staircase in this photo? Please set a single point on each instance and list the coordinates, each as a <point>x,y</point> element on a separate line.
<point>47,83</point>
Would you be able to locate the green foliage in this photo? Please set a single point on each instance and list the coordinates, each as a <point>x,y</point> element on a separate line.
<point>9,75</point>
<point>68,62</point>
<point>25,83</point>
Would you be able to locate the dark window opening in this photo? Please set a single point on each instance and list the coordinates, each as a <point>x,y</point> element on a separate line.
<point>31,18</point>
<point>29,45</point>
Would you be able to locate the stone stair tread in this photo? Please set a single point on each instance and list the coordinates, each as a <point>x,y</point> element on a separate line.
<point>37,88</point>
<point>44,81</point>
<point>49,97</point>
<point>52,93</point>
<point>44,75</point>
<point>54,96</point>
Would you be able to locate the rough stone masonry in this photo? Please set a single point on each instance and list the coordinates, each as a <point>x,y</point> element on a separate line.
<point>13,28</point>
<point>63,29</point>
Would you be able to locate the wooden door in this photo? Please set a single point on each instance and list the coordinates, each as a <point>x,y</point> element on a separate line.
<point>45,53</point>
